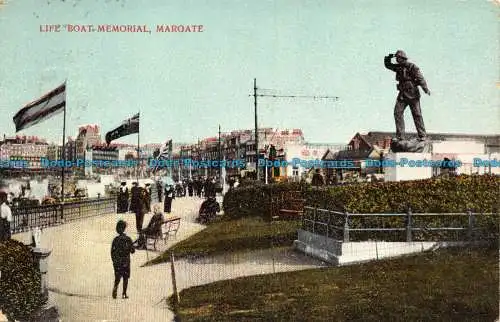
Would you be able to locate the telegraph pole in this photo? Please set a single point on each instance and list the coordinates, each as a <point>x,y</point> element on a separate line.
<point>255,112</point>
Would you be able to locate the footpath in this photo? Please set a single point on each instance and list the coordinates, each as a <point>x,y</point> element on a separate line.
<point>80,275</point>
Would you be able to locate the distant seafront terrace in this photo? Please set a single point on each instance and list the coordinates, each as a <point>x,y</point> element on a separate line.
<point>241,164</point>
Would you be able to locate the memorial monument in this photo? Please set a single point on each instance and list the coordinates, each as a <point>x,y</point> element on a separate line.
<point>409,77</point>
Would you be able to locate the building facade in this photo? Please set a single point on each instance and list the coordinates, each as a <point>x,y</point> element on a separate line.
<point>25,150</point>
<point>376,146</point>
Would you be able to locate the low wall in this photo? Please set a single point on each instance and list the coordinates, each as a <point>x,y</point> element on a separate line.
<point>342,253</point>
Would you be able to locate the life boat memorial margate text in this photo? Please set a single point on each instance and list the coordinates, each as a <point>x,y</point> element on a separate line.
<point>85,28</point>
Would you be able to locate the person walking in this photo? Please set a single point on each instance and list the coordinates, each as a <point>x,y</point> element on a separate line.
<point>197,187</point>
<point>169,196</point>
<point>123,198</point>
<point>409,77</point>
<point>190,188</point>
<point>140,210</point>
<point>5,217</point>
<point>148,197</point>
<point>121,248</point>
<point>134,199</point>
<point>159,189</point>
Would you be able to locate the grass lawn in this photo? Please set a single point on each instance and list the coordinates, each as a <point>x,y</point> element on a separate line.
<point>447,285</point>
<point>234,235</point>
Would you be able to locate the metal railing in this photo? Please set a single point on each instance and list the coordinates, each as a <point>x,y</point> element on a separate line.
<point>338,225</point>
<point>27,218</point>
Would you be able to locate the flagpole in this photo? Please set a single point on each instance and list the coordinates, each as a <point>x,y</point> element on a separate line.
<point>63,150</point>
<point>63,156</point>
<point>138,149</point>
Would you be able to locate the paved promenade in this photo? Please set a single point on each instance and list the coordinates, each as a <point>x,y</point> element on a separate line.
<point>81,273</point>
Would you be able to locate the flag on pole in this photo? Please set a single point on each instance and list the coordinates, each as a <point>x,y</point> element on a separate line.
<point>164,154</point>
<point>129,126</point>
<point>43,108</point>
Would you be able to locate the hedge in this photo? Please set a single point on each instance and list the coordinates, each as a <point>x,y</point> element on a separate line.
<point>453,194</point>
<point>255,200</point>
<point>20,281</point>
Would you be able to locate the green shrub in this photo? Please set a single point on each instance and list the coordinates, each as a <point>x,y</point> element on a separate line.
<point>255,199</point>
<point>20,281</point>
<point>454,194</point>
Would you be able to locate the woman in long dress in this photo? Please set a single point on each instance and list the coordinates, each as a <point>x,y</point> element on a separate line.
<point>169,196</point>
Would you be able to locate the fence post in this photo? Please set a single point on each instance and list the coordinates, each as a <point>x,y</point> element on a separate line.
<point>346,226</point>
<point>408,224</point>
<point>314,218</point>
<point>177,299</point>
<point>62,212</point>
<point>471,226</point>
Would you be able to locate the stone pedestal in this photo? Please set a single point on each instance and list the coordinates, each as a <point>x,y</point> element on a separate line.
<point>41,257</point>
<point>412,145</point>
<point>406,166</point>
<point>49,311</point>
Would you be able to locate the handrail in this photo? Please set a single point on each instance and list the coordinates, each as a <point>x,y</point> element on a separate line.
<point>312,214</point>
<point>28,217</point>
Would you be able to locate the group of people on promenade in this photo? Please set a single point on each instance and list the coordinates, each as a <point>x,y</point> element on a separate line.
<point>198,186</point>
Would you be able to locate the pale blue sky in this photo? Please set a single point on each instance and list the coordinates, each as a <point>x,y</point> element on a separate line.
<point>186,84</point>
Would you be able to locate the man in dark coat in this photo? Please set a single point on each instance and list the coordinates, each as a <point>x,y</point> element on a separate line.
<point>120,255</point>
<point>206,187</point>
<point>148,197</point>
<point>159,188</point>
<point>134,200</point>
<point>123,198</point>
<point>197,187</point>
<point>190,188</point>
<point>409,77</point>
<point>140,209</point>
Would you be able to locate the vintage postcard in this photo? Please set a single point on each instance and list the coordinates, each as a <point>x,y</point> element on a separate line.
<point>264,160</point>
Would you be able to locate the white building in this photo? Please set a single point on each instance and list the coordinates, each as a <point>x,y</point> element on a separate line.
<point>302,157</point>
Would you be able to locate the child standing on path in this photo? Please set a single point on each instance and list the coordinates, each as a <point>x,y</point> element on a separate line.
<point>120,254</point>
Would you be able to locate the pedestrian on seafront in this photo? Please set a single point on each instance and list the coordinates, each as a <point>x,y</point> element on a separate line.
<point>123,196</point>
<point>169,196</point>
<point>5,216</point>
<point>134,199</point>
<point>141,210</point>
<point>120,255</point>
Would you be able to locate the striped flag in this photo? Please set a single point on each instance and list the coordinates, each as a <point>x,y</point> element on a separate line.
<point>43,108</point>
<point>164,153</point>
<point>129,126</point>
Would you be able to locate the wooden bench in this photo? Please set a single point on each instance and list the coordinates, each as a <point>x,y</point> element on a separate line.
<point>167,228</point>
<point>170,227</point>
